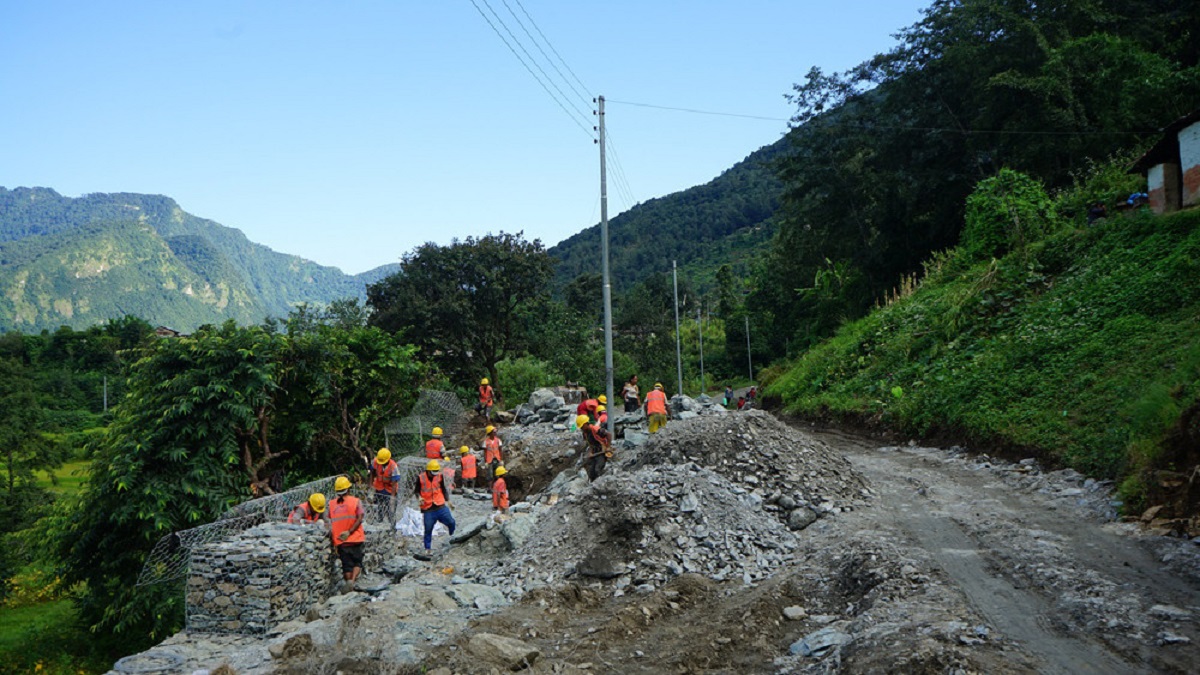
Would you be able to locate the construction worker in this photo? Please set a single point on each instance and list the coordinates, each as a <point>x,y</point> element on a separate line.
<point>493,455</point>
<point>346,528</point>
<point>468,462</point>
<point>487,398</point>
<point>500,491</point>
<point>629,392</point>
<point>598,448</point>
<point>434,447</point>
<point>385,478</point>
<point>434,496</point>
<point>656,408</point>
<point>308,511</point>
<point>602,415</point>
<point>588,406</point>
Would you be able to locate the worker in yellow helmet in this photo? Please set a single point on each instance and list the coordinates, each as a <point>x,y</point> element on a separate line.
<point>598,448</point>
<point>385,478</point>
<point>346,518</point>
<point>656,408</point>
<point>434,495</point>
<point>434,448</point>
<point>493,451</point>
<point>308,511</point>
<point>487,398</point>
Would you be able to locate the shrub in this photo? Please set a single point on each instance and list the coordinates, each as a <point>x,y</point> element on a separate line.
<point>519,377</point>
<point>1005,213</point>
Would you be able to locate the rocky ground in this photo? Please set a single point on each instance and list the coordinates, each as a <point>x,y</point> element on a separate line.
<point>734,543</point>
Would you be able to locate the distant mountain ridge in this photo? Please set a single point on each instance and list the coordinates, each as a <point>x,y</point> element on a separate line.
<point>77,262</point>
<point>729,219</point>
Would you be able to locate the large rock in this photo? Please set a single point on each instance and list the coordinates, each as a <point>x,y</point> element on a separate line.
<point>681,403</point>
<point>478,596</point>
<point>801,518</point>
<point>516,531</point>
<point>468,530</point>
<point>545,398</point>
<point>504,416</point>
<point>503,651</point>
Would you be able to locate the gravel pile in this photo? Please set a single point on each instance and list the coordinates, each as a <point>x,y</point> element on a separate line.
<point>646,527</point>
<point>798,477</point>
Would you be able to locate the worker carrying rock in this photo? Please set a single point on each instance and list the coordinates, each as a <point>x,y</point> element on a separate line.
<point>500,491</point>
<point>434,496</point>
<point>493,451</point>
<point>346,527</point>
<point>434,448</point>
<point>656,408</point>
<point>385,479</point>
<point>599,448</point>
<point>468,464</point>
<point>309,511</point>
<point>487,399</point>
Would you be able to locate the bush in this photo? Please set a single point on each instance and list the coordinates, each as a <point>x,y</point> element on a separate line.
<point>519,377</point>
<point>1005,213</point>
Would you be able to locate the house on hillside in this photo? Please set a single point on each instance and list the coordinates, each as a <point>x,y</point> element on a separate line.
<point>167,332</point>
<point>1172,166</point>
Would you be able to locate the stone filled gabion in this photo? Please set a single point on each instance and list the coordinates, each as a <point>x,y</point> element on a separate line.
<point>269,574</point>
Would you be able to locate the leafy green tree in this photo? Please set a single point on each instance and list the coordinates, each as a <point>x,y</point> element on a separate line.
<point>1004,214</point>
<point>461,304</point>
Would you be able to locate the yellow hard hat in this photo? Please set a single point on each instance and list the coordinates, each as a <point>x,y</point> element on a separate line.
<point>342,483</point>
<point>658,385</point>
<point>464,450</point>
<point>383,456</point>
<point>317,501</point>
<point>483,381</point>
<point>489,429</point>
<point>437,431</point>
<point>602,398</point>
<point>500,471</point>
<point>582,420</point>
<point>602,408</point>
<point>433,465</point>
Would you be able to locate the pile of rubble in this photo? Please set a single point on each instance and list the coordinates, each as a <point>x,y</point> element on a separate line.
<point>643,528</point>
<point>799,477</point>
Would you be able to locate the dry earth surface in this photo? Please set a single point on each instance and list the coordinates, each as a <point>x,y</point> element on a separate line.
<point>734,543</point>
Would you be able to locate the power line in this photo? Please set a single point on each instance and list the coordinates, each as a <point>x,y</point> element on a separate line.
<point>529,70</point>
<point>533,60</point>
<point>699,112</point>
<point>551,46</point>
<point>582,97</point>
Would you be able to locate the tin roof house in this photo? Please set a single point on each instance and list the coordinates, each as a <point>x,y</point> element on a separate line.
<point>1172,166</point>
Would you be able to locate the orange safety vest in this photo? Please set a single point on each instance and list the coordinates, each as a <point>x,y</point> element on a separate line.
<point>491,450</point>
<point>468,466</point>
<point>500,494</point>
<point>381,474</point>
<point>431,491</point>
<point>486,394</point>
<point>343,511</point>
<point>433,448</point>
<point>595,438</point>
<point>303,511</point>
<point>656,402</point>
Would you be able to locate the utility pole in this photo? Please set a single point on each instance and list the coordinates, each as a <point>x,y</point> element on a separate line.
<point>678,344</point>
<point>749,361</point>
<point>105,393</point>
<point>700,332</point>
<point>608,348</point>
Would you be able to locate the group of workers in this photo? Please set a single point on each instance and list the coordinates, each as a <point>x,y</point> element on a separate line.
<point>433,486</point>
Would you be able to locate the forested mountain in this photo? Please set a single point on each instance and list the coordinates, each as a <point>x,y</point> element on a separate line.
<point>77,262</point>
<point>724,221</point>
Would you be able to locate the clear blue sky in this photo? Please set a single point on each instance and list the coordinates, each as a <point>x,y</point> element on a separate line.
<point>350,132</point>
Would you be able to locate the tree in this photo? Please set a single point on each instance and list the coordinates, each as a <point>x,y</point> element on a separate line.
<point>460,304</point>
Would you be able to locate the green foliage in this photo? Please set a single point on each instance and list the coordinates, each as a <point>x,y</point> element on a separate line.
<point>520,376</point>
<point>1108,182</point>
<point>48,639</point>
<point>462,304</point>
<point>1005,213</point>
<point>1090,364</point>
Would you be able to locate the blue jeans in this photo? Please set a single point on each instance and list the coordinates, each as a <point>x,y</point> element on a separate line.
<point>441,515</point>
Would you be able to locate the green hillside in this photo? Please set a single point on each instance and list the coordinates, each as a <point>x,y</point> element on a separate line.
<point>77,262</point>
<point>727,220</point>
<point>1083,348</point>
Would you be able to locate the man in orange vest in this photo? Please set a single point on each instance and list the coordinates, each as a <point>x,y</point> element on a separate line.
<point>500,491</point>
<point>346,528</point>
<point>656,408</point>
<point>487,398</point>
<point>434,446</point>
<point>385,478</point>
<point>309,511</point>
<point>598,449</point>
<point>431,489</point>
<point>602,415</point>
<point>469,463</point>
<point>493,455</point>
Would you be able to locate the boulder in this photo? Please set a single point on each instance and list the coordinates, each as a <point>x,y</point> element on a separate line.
<point>504,416</point>
<point>468,530</point>
<point>509,653</point>
<point>816,644</point>
<point>801,518</point>
<point>545,398</point>
<point>547,414</point>
<point>636,438</point>
<point>687,415</point>
<point>476,595</point>
<point>516,531</point>
<point>398,568</point>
